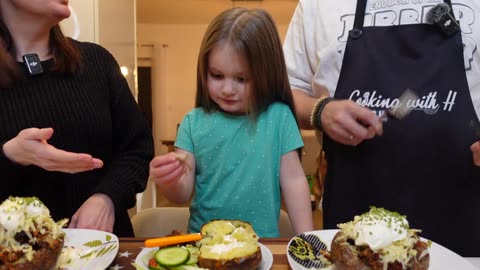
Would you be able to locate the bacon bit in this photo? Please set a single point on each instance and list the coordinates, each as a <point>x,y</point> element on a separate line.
<point>153,263</point>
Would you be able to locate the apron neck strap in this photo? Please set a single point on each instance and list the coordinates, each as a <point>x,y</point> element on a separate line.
<point>362,5</point>
<point>360,14</point>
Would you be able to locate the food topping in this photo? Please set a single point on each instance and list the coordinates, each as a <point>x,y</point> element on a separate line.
<point>24,222</point>
<point>377,228</point>
<point>229,245</point>
<point>225,239</point>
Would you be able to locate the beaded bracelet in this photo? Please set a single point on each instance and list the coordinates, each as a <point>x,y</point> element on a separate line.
<point>316,120</point>
<point>314,111</point>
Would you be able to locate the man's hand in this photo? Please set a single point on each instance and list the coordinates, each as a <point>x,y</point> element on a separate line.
<point>349,123</point>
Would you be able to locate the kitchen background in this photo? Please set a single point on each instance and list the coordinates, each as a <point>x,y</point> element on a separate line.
<point>156,43</point>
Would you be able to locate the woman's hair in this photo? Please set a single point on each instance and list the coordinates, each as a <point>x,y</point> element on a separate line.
<point>253,34</point>
<point>66,56</point>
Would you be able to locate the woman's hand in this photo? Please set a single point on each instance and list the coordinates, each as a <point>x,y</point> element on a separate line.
<point>168,168</point>
<point>349,123</point>
<point>30,147</point>
<point>97,213</point>
<point>475,148</point>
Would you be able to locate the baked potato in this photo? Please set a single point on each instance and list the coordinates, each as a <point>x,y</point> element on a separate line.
<point>347,256</point>
<point>379,240</point>
<point>29,238</point>
<point>229,244</point>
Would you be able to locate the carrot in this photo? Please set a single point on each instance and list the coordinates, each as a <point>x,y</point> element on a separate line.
<point>172,240</point>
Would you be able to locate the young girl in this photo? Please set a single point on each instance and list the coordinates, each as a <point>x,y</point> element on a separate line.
<point>238,150</point>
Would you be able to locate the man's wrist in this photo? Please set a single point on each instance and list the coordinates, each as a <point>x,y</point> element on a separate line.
<point>315,116</point>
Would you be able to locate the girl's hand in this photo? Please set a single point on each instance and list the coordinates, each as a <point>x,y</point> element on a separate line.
<point>96,213</point>
<point>475,148</point>
<point>30,147</point>
<point>349,123</point>
<point>168,168</point>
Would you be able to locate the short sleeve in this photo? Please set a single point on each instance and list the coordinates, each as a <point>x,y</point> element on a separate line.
<point>184,134</point>
<point>290,136</point>
<point>299,68</point>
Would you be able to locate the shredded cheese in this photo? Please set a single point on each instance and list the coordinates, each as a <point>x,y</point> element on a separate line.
<point>32,217</point>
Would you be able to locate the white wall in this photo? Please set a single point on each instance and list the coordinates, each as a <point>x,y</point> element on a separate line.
<point>117,33</point>
<point>181,43</point>
<point>110,23</point>
<point>83,20</point>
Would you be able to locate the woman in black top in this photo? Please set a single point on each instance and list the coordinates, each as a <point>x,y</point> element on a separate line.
<point>71,132</point>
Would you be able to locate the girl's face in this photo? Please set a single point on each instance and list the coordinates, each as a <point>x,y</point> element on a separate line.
<point>52,10</point>
<point>229,79</point>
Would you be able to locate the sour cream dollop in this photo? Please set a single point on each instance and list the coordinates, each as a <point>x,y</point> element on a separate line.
<point>379,228</point>
<point>37,208</point>
<point>14,211</point>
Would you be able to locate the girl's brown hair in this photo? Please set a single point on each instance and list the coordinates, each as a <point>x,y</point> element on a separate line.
<point>254,35</point>
<point>66,56</point>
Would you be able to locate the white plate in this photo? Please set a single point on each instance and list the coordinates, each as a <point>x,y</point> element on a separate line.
<point>87,249</point>
<point>142,258</point>
<point>441,258</point>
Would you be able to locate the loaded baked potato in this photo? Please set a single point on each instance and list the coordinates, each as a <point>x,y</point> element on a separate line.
<point>229,244</point>
<point>378,240</point>
<point>29,238</point>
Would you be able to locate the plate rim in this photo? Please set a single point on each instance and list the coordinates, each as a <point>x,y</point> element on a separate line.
<point>434,245</point>
<point>269,262</point>
<point>108,258</point>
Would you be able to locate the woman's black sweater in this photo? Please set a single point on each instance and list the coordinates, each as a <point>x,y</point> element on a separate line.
<point>90,112</point>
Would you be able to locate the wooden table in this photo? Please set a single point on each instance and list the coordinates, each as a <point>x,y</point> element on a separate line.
<point>130,247</point>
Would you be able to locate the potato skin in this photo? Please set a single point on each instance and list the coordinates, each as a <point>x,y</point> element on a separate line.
<point>425,261</point>
<point>243,263</point>
<point>43,259</point>
<point>343,255</point>
<point>347,257</point>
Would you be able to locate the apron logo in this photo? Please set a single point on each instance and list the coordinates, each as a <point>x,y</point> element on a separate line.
<point>448,104</point>
<point>390,12</point>
<point>427,103</point>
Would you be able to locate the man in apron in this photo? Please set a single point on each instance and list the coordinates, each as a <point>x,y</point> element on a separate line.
<point>365,55</point>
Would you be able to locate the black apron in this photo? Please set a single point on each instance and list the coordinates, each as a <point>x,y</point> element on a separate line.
<point>421,166</point>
